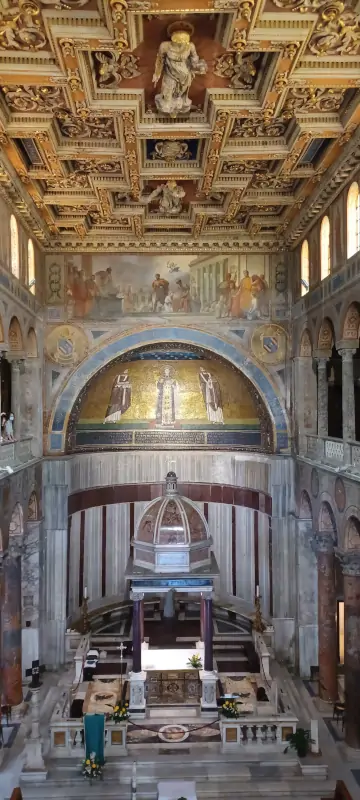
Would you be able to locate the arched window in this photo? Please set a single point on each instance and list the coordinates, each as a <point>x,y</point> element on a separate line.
<point>325,262</point>
<point>14,244</point>
<point>31,266</point>
<point>353,220</point>
<point>305,267</point>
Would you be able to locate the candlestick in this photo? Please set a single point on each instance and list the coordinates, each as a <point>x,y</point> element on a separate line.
<point>85,593</point>
<point>257,591</point>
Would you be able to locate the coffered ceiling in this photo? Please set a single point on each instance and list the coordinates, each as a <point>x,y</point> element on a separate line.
<point>271,136</point>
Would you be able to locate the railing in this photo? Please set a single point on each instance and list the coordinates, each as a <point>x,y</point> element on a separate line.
<point>332,451</point>
<point>67,739</point>
<point>253,732</point>
<point>12,454</point>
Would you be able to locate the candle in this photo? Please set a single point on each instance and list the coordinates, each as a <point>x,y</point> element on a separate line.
<point>257,591</point>
<point>85,592</point>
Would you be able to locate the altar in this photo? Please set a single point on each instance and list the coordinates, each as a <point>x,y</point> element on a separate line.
<point>168,660</point>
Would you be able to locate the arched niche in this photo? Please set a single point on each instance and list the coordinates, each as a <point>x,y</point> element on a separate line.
<point>326,336</point>
<point>16,341</point>
<point>31,344</point>
<point>68,397</point>
<point>16,527</point>
<point>351,324</point>
<point>161,396</point>
<point>306,347</point>
<point>305,510</point>
<point>33,507</point>
<point>352,533</point>
<point>326,520</point>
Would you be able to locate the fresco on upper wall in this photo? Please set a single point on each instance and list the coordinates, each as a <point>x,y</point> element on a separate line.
<point>112,286</point>
<point>169,399</point>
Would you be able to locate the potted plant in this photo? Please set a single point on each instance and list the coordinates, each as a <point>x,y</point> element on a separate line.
<point>195,662</point>
<point>230,710</point>
<point>299,741</point>
<point>91,768</point>
<point>120,714</point>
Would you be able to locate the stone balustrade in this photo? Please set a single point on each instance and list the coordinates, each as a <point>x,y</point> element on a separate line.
<point>332,451</point>
<point>67,739</point>
<point>14,454</point>
<point>250,732</point>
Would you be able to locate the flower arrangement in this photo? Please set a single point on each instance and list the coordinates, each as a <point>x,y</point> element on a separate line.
<point>120,713</point>
<point>229,709</point>
<point>195,662</point>
<point>91,767</point>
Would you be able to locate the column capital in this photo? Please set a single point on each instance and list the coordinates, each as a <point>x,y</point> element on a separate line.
<point>136,595</point>
<point>323,542</point>
<point>350,562</point>
<point>347,354</point>
<point>322,357</point>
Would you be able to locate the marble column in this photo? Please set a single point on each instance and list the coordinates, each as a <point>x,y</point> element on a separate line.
<point>208,635</point>
<point>322,397</point>
<point>31,593</point>
<point>202,611</point>
<point>56,480</point>
<point>350,563</point>
<point>11,624</point>
<point>328,688</point>
<point>2,358</point>
<point>136,628</point>
<point>142,620</point>
<point>16,399</point>
<point>348,394</point>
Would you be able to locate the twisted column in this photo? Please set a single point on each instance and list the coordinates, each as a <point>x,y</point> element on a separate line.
<point>11,624</point>
<point>322,397</point>
<point>350,563</point>
<point>324,546</point>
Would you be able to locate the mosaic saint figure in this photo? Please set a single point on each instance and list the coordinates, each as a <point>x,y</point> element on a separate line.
<point>120,399</point>
<point>211,393</point>
<point>177,62</point>
<point>167,389</point>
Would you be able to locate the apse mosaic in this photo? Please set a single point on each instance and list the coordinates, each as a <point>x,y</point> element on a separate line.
<point>168,401</point>
<point>111,286</point>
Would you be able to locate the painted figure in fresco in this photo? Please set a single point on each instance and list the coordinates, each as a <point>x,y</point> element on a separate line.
<point>105,284</point>
<point>182,302</point>
<point>167,389</point>
<point>211,393</point>
<point>177,62</point>
<point>160,291</point>
<point>120,399</point>
<point>260,298</point>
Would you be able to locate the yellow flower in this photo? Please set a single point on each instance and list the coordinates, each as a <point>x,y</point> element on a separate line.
<point>116,708</point>
<point>87,761</point>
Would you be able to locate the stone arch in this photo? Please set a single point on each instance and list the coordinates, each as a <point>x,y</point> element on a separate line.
<point>259,377</point>
<point>31,344</point>
<point>326,336</point>
<point>306,346</point>
<point>352,533</point>
<point>16,341</point>
<point>33,507</point>
<point>305,510</point>
<point>16,527</point>
<point>351,324</point>
<point>326,519</point>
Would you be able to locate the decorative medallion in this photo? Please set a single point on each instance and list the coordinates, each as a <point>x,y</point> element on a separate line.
<point>173,733</point>
<point>268,344</point>
<point>66,345</point>
<point>314,482</point>
<point>340,495</point>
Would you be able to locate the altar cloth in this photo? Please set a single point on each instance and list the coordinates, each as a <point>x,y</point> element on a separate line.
<point>163,660</point>
<point>173,790</point>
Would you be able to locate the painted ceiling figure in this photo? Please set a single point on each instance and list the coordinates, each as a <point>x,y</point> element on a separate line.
<point>171,195</point>
<point>177,62</point>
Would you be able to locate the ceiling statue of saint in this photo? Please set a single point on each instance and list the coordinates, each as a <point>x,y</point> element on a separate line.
<point>170,195</point>
<point>177,62</point>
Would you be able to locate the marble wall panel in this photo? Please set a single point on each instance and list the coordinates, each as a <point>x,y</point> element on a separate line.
<point>92,552</point>
<point>220,528</point>
<point>264,567</point>
<point>74,563</point>
<point>245,558</point>
<point>117,547</point>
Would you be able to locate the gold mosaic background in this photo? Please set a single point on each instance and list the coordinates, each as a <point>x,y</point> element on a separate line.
<point>238,406</point>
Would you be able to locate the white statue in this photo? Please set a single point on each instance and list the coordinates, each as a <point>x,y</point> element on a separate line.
<point>170,197</point>
<point>9,428</point>
<point>177,62</point>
